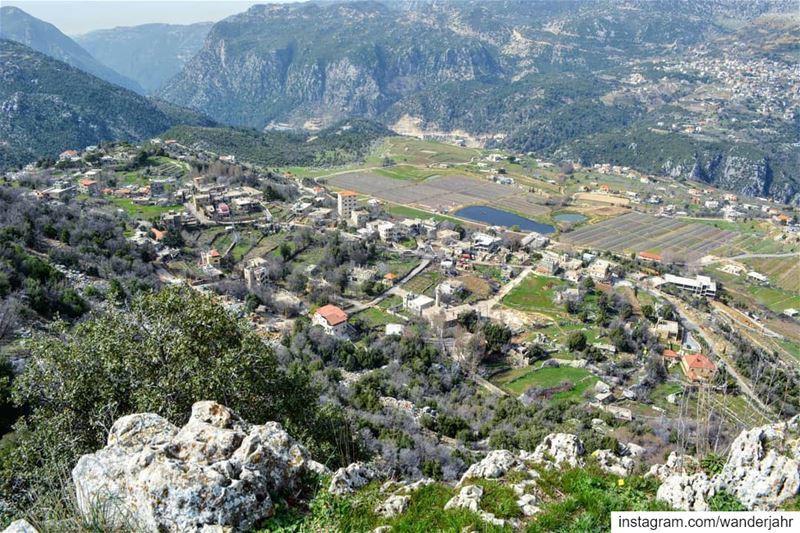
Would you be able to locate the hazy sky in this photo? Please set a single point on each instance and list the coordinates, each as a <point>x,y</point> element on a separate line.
<point>75,17</point>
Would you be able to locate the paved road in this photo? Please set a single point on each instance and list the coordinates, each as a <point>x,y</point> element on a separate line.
<point>755,256</point>
<point>356,307</point>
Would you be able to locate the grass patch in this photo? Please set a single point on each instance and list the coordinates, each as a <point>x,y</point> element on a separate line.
<point>406,173</point>
<point>376,317</point>
<point>143,211</point>
<point>402,211</point>
<point>519,380</point>
<point>535,293</point>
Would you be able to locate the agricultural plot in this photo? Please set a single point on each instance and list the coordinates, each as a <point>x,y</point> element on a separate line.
<point>441,193</point>
<point>535,293</point>
<point>784,272</point>
<point>418,152</point>
<point>636,232</point>
<point>519,380</point>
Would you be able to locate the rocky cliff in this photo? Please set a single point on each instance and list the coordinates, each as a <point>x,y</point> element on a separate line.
<point>219,473</point>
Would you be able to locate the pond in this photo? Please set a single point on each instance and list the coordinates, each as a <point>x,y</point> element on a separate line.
<point>498,217</point>
<point>569,217</point>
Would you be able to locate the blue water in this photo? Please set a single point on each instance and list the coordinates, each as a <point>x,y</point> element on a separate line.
<point>498,217</point>
<point>569,217</point>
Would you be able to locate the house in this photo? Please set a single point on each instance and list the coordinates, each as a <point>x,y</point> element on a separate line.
<point>387,231</point>
<point>394,329</point>
<point>700,285</point>
<point>668,330</point>
<point>359,218</point>
<point>417,303</point>
<point>482,242</point>
<point>346,203</point>
<point>697,367</point>
<point>211,258</point>
<point>254,272</point>
<point>158,235</point>
<point>67,155</point>
<point>389,279</point>
<point>670,356</point>
<point>651,257</point>
<point>88,186</point>
<point>598,269</point>
<point>757,276</point>
<point>332,319</point>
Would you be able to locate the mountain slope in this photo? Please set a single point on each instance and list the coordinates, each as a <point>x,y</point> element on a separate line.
<point>47,39</point>
<point>150,54</point>
<point>47,106</point>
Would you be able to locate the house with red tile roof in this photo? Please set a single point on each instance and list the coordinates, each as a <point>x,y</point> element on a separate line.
<point>697,367</point>
<point>332,319</point>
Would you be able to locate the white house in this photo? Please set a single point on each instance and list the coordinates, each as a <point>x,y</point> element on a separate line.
<point>332,319</point>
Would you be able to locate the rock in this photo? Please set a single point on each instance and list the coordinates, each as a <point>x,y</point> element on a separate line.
<point>20,526</point>
<point>393,506</point>
<point>635,451</point>
<point>558,449</point>
<point>522,487</point>
<point>527,504</point>
<point>676,464</point>
<point>492,519</point>
<point>493,466</point>
<point>217,470</point>
<point>601,387</point>
<point>382,529</point>
<point>610,462</point>
<point>347,479</point>
<point>468,498</point>
<point>416,485</point>
<point>763,467</point>
<point>687,493</point>
<point>599,425</point>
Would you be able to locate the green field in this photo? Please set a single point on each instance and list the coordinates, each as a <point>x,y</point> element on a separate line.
<point>405,172</point>
<point>375,317</point>
<point>775,298</point>
<point>535,293</point>
<point>402,211</point>
<point>143,211</point>
<point>519,380</point>
<point>417,152</point>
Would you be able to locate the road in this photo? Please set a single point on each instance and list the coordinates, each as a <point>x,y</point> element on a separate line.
<point>508,287</point>
<point>356,307</point>
<point>754,256</point>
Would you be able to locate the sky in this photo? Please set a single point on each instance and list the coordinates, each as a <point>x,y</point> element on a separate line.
<point>77,17</point>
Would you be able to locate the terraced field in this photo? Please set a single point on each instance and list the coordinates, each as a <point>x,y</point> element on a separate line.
<point>636,232</point>
<point>784,272</point>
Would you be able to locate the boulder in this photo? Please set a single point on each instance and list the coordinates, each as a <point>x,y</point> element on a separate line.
<point>687,492</point>
<point>557,450</point>
<point>20,526</point>
<point>393,506</point>
<point>347,479</point>
<point>763,467</point>
<point>416,485</point>
<point>493,466</point>
<point>217,470</point>
<point>676,464</point>
<point>612,463</point>
<point>528,504</point>
<point>468,498</point>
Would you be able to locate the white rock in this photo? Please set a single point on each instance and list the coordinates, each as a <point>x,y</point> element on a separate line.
<point>468,498</point>
<point>492,519</point>
<point>687,493</point>
<point>528,504</point>
<point>393,506</point>
<point>382,529</point>
<point>347,479</point>
<point>416,485</point>
<point>215,470</point>
<point>20,526</point>
<point>610,462</point>
<point>676,464</point>
<point>559,449</point>
<point>522,487</point>
<point>635,450</point>
<point>493,466</point>
<point>763,467</point>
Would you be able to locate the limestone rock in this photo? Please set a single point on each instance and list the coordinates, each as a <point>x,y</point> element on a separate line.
<point>416,485</point>
<point>687,493</point>
<point>469,498</point>
<point>347,479</point>
<point>217,470</point>
<point>635,451</point>
<point>676,464</point>
<point>763,467</point>
<point>523,486</point>
<point>528,504</point>
<point>393,506</point>
<point>559,449</point>
<point>492,519</point>
<point>20,526</point>
<point>493,466</point>
<point>612,463</point>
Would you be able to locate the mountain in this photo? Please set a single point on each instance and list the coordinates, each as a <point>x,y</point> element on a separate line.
<point>533,76</point>
<point>150,54</point>
<point>47,39</point>
<point>47,106</point>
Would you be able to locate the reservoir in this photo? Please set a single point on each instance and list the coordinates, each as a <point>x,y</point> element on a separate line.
<point>569,217</point>
<point>498,217</point>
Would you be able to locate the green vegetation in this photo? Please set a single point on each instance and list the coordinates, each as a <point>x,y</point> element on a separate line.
<point>409,212</point>
<point>519,380</point>
<point>339,144</point>
<point>146,212</point>
<point>405,172</point>
<point>534,293</point>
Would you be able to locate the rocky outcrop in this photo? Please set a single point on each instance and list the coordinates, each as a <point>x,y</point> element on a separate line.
<point>493,466</point>
<point>20,526</point>
<point>613,463</point>
<point>216,470</point>
<point>347,479</point>
<point>468,498</point>
<point>393,506</point>
<point>762,471</point>
<point>763,468</point>
<point>558,450</point>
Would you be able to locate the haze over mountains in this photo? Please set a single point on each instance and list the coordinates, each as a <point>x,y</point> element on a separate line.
<point>588,81</point>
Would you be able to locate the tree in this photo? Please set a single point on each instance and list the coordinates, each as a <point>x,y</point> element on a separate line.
<point>576,342</point>
<point>285,250</point>
<point>497,336</point>
<point>168,351</point>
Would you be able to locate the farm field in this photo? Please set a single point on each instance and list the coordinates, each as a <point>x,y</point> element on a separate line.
<point>775,298</point>
<point>535,293</point>
<point>784,272</point>
<point>519,380</point>
<point>147,212</point>
<point>636,232</point>
<point>410,212</point>
<point>418,152</point>
<point>406,172</point>
<point>442,193</point>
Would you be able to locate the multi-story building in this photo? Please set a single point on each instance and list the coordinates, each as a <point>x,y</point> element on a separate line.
<point>346,203</point>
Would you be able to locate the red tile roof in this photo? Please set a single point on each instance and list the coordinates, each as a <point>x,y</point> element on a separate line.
<point>157,234</point>
<point>348,193</point>
<point>214,253</point>
<point>650,256</point>
<point>670,354</point>
<point>332,314</point>
<point>699,361</point>
<point>86,182</point>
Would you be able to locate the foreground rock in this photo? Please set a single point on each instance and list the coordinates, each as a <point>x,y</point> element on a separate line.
<point>20,526</point>
<point>558,450</point>
<point>762,471</point>
<point>215,470</point>
<point>347,479</point>
<point>495,465</point>
<point>468,498</point>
